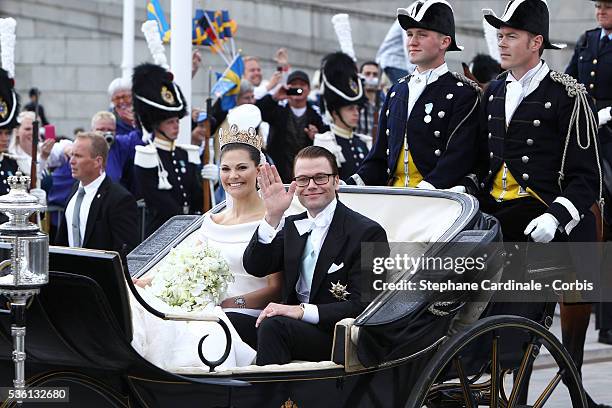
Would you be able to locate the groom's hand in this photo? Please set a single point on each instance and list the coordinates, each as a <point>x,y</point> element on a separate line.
<point>276,309</point>
<point>276,199</point>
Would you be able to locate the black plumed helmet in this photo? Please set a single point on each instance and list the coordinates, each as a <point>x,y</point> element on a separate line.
<point>9,101</point>
<point>155,96</point>
<point>341,83</point>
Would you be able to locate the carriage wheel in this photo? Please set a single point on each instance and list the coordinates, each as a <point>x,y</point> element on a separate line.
<point>472,388</point>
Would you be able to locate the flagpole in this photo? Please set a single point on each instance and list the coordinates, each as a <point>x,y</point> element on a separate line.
<point>127,62</point>
<point>180,59</point>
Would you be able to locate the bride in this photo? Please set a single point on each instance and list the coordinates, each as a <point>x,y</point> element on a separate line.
<point>173,344</point>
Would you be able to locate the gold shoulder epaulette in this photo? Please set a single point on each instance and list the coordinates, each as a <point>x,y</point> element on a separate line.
<point>572,86</point>
<point>467,81</point>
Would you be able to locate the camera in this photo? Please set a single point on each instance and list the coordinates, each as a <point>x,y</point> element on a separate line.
<point>109,137</point>
<point>295,91</point>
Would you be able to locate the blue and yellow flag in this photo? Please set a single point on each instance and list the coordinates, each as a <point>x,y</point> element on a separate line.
<point>228,26</point>
<point>156,13</point>
<point>228,84</point>
<point>203,33</point>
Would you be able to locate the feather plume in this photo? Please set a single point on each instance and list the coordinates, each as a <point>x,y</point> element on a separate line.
<point>342,27</point>
<point>151,33</point>
<point>490,34</point>
<point>7,44</point>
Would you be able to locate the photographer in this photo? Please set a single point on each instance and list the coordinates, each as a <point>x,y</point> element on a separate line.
<point>293,121</point>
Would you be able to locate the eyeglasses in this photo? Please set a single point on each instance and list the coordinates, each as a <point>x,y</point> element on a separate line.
<point>319,179</point>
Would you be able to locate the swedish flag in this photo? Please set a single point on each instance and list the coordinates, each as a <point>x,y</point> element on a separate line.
<point>156,13</point>
<point>228,83</point>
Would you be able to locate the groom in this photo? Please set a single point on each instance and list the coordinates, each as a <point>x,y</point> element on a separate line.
<point>319,252</point>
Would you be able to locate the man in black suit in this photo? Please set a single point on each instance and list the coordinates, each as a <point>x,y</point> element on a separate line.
<point>99,214</point>
<point>319,252</point>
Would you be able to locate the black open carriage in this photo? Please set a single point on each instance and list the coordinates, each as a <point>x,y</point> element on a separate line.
<point>79,331</point>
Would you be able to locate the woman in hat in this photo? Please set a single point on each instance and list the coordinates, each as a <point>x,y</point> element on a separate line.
<point>167,172</point>
<point>343,97</point>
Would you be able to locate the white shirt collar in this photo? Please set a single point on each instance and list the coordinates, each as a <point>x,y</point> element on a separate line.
<point>298,112</point>
<point>94,185</point>
<point>322,220</point>
<point>603,34</point>
<point>431,75</point>
<point>531,80</point>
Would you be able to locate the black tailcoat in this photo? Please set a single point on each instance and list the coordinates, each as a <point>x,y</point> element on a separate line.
<point>342,245</point>
<point>442,146</point>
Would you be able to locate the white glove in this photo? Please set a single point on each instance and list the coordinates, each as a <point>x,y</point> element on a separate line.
<point>604,116</point>
<point>425,185</point>
<point>457,189</point>
<point>210,172</point>
<point>542,228</point>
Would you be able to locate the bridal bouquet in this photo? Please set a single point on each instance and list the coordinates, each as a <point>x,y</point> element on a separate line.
<point>190,278</point>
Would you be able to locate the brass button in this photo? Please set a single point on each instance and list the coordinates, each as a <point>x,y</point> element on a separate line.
<point>525,159</point>
<point>438,152</point>
<point>489,117</point>
<point>490,172</point>
<point>529,142</point>
<point>548,105</point>
<point>437,133</point>
<point>490,135</point>
<point>387,132</point>
<point>491,154</point>
<point>482,185</point>
<point>459,83</point>
<point>592,86</point>
<point>537,123</point>
<point>581,58</point>
<point>441,114</point>
<point>525,176</point>
<point>392,94</point>
<point>595,61</point>
<point>389,171</point>
<point>490,98</point>
<point>387,152</point>
<point>449,96</point>
<point>592,73</point>
<point>387,112</point>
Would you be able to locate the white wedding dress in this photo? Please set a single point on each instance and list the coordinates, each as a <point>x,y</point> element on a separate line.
<point>174,344</point>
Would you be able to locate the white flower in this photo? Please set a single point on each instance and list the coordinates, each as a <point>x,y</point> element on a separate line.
<point>191,278</point>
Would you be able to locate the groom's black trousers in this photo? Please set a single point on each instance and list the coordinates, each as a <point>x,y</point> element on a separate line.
<point>280,339</point>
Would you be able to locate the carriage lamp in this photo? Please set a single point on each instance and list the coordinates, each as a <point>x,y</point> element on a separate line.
<point>25,268</point>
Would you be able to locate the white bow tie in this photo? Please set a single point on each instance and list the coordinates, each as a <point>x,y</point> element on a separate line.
<point>306,225</point>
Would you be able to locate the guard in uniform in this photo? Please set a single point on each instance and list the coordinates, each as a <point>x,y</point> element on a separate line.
<point>542,176</point>
<point>9,108</point>
<point>591,65</point>
<point>167,172</point>
<point>427,136</point>
<point>343,97</point>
